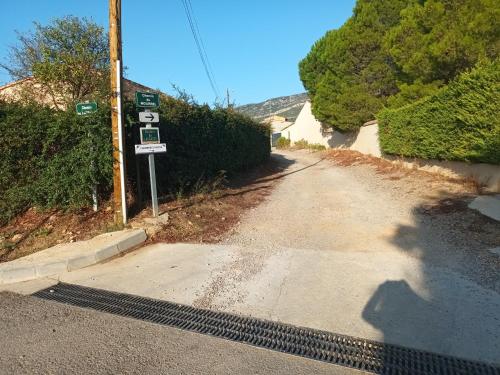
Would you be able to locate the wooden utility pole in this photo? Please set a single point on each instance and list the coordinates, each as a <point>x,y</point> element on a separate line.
<point>115,57</point>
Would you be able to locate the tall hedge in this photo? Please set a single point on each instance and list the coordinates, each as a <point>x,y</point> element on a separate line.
<point>460,122</point>
<point>201,142</point>
<point>50,158</point>
<point>53,159</point>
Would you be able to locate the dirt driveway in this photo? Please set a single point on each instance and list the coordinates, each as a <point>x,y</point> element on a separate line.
<point>354,209</point>
<point>394,258</point>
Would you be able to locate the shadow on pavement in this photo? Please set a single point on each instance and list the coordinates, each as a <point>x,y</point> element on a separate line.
<point>278,163</point>
<point>451,305</point>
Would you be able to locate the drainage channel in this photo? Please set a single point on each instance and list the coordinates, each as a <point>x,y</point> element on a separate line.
<point>328,347</point>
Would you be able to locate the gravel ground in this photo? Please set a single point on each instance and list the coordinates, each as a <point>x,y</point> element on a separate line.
<point>321,206</point>
<point>42,337</point>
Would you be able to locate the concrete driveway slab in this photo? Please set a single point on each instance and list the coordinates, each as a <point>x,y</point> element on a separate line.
<point>377,296</point>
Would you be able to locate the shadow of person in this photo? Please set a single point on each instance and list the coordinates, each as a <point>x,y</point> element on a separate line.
<point>404,317</point>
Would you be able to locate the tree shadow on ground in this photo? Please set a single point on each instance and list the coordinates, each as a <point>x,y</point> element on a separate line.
<point>451,304</point>
<point>274,168</point>
<point>238,184</point>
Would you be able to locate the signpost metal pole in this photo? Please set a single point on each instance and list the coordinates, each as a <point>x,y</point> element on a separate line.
<point>94,187</point>
<point>152,176</point>
<point>150,139</point>
<point>84,109</point>
<point>152,179</point>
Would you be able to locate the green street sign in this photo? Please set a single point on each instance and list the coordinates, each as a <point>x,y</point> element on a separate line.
<point>150,135</point>
<point>147,99</point>
<point>86,108</point>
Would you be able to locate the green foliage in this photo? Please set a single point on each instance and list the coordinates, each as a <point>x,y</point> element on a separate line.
<point>348,73</point>
<point>201,142</point>
<point>282,143</point>
<point>69,58</point>
<point>410,93</point>
<point>459,122</point>
<point>316,147</point>
<point>53,159</point>
<point>300,144</point>
<point>50,158</point>
<point>391,53</point>
<point>438,39</point>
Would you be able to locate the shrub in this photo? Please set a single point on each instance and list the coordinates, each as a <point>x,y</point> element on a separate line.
<point>50,158</point>
<point>201,142</point>
<point>282,143</point>
<point>300,144</point>
<point>459,122</point>
<point>53,159</point>
<point>316,147</point>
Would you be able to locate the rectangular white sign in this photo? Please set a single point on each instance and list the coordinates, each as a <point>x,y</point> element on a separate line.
<point>149,117</point>
<point>150,149</point>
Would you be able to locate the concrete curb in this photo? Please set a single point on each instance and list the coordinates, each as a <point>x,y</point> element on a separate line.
<point>488,205</point>
<point>69,257</point>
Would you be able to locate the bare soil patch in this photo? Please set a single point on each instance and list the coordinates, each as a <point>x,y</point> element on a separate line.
<point>208,217</point>
<point>197,218</point>
<point>396,171</point>
<point>37,230</point>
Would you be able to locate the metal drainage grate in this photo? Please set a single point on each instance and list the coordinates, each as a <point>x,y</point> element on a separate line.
<point>323,346</point>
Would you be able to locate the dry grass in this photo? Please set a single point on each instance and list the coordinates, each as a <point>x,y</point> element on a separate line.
<point>207,218</point>
<point>398,169</point>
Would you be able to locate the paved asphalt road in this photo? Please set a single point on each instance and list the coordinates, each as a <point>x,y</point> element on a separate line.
<point>42,337</point>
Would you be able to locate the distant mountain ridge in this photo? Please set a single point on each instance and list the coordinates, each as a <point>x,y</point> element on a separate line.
<point>285,106</point>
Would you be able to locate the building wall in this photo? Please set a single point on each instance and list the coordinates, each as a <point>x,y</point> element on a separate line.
<point>307,127</point>
<point>486,174</point>
<point>366,141</point>
<point>17,92</point>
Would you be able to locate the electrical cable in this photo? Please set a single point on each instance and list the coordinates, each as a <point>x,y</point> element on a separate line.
<point>188,8</point>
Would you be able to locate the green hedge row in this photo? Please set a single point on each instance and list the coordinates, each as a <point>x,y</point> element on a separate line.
<point>460,122</point>
<point>201,142</point>
<point>53,159</point>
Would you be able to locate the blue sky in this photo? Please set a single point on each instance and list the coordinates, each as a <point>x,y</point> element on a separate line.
<point>253,46</point>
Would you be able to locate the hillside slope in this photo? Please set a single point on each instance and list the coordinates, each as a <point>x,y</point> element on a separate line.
<point>286,106</point>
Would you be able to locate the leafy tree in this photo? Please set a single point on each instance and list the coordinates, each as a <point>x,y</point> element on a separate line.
<point>391,53</point>
<point>348,73</point>
<point>409,93</point>
<point>69,59</point>
<point>438,39</point>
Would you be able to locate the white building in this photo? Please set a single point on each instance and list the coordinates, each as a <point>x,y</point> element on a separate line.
<point>307,127</point>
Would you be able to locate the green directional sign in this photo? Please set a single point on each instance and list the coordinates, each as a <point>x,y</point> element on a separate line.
<point>86,108</point>
<point>147,99</point>
<point>150,135</point>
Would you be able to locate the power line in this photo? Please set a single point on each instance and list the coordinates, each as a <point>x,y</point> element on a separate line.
<point>193,16</point>
<point>200,45</point>
<point>188,8</point>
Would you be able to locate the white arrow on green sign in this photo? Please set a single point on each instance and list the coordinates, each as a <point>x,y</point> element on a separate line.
<point>147,99</point>
<point>86,108</point>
